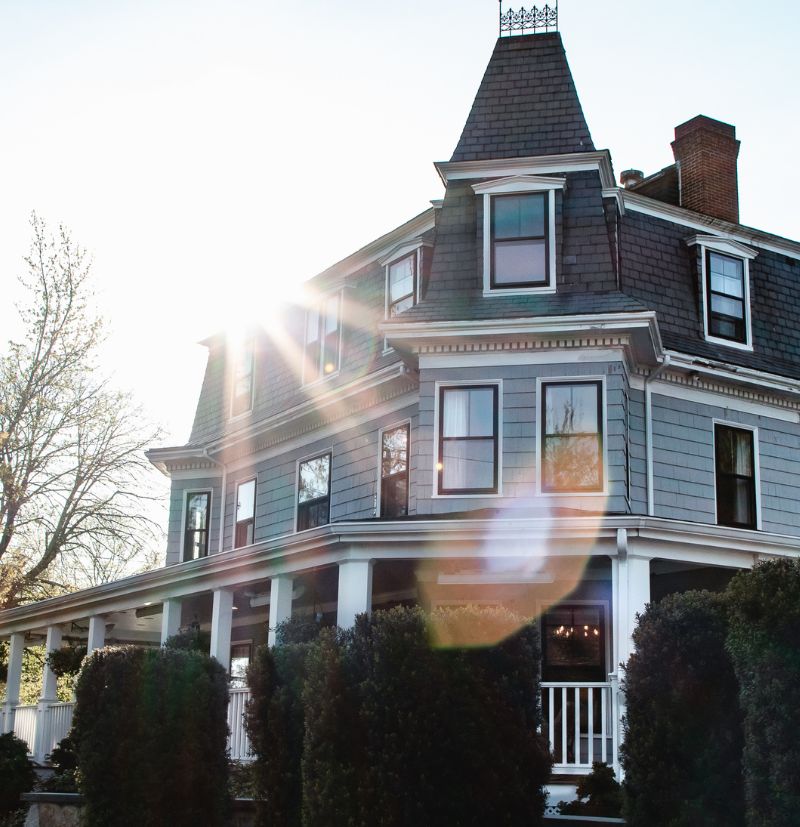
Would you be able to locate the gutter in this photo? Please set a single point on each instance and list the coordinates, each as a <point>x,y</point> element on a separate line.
<point>648,419</point>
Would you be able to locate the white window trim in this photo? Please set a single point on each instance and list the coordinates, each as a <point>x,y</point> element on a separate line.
<point>401,251</point>
<point>734,250</point>
<point>519,184</point>
<point>184,509</point>
<point>756,465</point>
<point>236,417</point>
<point>296,485</point>
<point>498,383</point>
<point>237,483</point>
<point>319,302</point>
<point>379,488</point>
<point>573,380</point>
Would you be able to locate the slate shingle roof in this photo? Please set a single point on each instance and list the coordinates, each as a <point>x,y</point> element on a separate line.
<point>526,104</point>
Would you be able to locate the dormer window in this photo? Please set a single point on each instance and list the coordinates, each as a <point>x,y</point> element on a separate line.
<point>242,396</point>
<point>401,284</point>
<point>519,236</point>
<point>322,339</point>
<point>725,279</point>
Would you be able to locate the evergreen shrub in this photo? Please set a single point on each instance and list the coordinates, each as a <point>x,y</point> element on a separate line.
<point>150,732</point>
<point>682,751</point>
<point>764,643</point>
<point>16,772</point>
<point>599,794</point>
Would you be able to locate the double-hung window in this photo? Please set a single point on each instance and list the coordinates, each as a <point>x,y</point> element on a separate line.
<point>394,472</point>
<point>735,464</point>
<point>242,396</point>
<point>245,513</point>
<point>468,440</point>
<point>571,437</point>
<point>195,536</point>
<point>725,275</point>
<point>519,234</point>
<point>401,284</point>
<point>322,339</point>
<point>313,492</point>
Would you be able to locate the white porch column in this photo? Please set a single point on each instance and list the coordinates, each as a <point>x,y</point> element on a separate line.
<point>280,604</point>
<point>13,679</point>
<point>170,619</point>
<point>355,591</point>
<point>49,680</point>
<point>221,620</point>
<point>96,639</point>
<point>630,579</point>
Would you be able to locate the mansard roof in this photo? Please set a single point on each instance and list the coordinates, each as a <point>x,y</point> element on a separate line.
<point>526,104</point>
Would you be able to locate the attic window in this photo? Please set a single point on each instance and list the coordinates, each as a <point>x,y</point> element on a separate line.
<point>242,396</point>
<point>519,236</point>
<point>401,286</point>
<point>725,285</point>
<point>322,339</point>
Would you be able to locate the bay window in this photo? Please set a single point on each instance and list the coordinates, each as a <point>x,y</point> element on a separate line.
<point>245,513</point>
<point>322,339</point>
<point>313,492</point>
<point>195,536</point>
<point>394,472</point>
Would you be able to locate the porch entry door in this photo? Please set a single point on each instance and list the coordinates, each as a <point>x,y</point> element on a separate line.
<point>574,643</point>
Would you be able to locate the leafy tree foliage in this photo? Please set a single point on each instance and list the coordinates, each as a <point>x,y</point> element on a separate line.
<point>150,733</point>
<point>764,644</point>
<point>683,743</point>
<point>598,794</point>
<point>72,470</point>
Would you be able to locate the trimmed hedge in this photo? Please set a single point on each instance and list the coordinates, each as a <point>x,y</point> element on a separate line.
<point>16,773</point>
<point>374,726</point>
<point>150,733</point>
<point>683,745</point>
<point>765,647</point>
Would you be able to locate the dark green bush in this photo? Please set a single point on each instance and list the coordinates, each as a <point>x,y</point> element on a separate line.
<point>682,752</point>
<point>400,733</point>
<point>275,723</point>
<point>150,732</point>
<point>63,757</point>
<point>67,660</point>
<point>190,640</point>
<point>599,794</point>
<point>16,773</point>
<point>297,629</point>
<point>765,647</point>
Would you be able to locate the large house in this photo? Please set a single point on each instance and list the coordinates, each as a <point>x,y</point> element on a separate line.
<point>546,391</point>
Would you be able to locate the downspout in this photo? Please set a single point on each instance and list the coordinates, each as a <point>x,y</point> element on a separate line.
<point>223,492</point>
<point>648,427</point>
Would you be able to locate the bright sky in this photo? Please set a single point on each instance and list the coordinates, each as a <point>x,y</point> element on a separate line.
<point>211,154</point>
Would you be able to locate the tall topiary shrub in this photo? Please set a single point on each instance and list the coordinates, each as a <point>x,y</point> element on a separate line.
<point>150,733</point>
<point>765,646</point>
<point>399,732</point>
<point>683,735</point>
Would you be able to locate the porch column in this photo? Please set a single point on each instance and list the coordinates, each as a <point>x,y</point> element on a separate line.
<point>170,619</point>
<point>96,639</point>
<point>355,591</point>
<point>280,604</point>
<point>630,580</point>
<point>221,621</point>
<point>13,679</point>
<point>48,697</point>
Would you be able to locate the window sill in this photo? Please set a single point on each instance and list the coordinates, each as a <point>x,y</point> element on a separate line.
<point>729,343</point>
<point>519,291</point>
<point>438,496</point>
<point>322,380</point>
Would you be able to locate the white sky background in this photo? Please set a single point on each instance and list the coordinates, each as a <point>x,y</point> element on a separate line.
<point>211,154</point>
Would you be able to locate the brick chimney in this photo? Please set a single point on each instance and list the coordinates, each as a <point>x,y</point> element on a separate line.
<point>706,151</point>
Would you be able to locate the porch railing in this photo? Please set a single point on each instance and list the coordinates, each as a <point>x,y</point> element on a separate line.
<point>578,722</point>
<point>238,742</point>
<point>25,725</point>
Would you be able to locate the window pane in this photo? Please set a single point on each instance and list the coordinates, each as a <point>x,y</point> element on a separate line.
<point>403,304</point>
<point>197,511</point>
<point>727,307</point>
<point>330,356</point>
<point>519,262</point>
<point>313,514</point>
<point>314,478</point>
<point>468,464</point>
<point>734,451</point>
<point>518,216</point>
<point>571,463</point>
<point>401,278</point>
<point>468,412</point>
<point>571,409</point>
<point>245,501</point>
<point>736,501</point>
<point>394,451</point>
<point>394,496</point>
<point>312,326</point>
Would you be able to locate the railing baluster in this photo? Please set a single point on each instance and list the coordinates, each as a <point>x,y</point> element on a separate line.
<point>603,726</point>
<point>564,725</point>
<point>551,735</point>
<point>577,718</point>
<point>590,722</point>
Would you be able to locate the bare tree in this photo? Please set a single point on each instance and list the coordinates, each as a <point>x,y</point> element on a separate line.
<point>75,482</point>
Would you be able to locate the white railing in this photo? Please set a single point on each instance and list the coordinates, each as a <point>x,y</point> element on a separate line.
<point>58,722</point>
<point>578,723</point>
<point>25,725</point>
<point>238,742</point>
